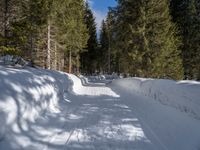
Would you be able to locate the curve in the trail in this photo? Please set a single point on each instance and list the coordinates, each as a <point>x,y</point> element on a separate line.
<point>90,89</point>
<point>47,110</point>
<point>111,118</point>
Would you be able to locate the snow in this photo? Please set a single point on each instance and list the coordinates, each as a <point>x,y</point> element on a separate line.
<point>49,110</point>
<point>182,95</point>
<point>16,61</point>
<point>25,95</point>
<point>94,89</point>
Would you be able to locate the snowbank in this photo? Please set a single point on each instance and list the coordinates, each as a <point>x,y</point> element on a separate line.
<point>182,95</point>
<point>26,94</point>
<point>101,78</point>
<point>82,86</point>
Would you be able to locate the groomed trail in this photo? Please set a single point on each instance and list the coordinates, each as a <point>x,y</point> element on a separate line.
<point>101,117</point>
<point>87,116</point>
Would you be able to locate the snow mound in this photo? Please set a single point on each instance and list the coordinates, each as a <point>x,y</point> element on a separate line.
<point>102,78</point>
<point>82,86</point>
<point>26,94</point>
<point>182,95</point>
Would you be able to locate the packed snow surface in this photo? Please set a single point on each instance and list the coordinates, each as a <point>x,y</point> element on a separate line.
<point>48,110</point>
<point>182,95</point>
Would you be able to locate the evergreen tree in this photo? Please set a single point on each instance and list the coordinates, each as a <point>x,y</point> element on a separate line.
<point>107,50</point>
<point>9,14</point>
<point>89,59</point>
<point>46,31</point>
<point>73,32</point>
<point>186,14</point>
<point>104,45</point>
<point>148,38</point>
<point>35,14</point>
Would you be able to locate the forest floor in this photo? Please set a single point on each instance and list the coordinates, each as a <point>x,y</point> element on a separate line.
<point>97,115</point>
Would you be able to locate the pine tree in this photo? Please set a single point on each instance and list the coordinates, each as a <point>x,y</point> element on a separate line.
<point>186,14</point>
<point>28,26</point>
<point>45,31</point>
<point>107,50</point>
<point>72,33</point>
<point>109,26</point>
<point>124,15</point>
<point>6,15</point>
<point>90,58</point>
<point>9,14</point>
<point>148,38</point>
<point>104,45</point>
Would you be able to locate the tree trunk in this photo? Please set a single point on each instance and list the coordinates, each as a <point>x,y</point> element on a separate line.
<point>77,64</point>
<point>109,54</point>
<point>49,45</point>
<point>70,61</point>
<point>59,61</point>
<point>6,23</point>
<point>55,55</point>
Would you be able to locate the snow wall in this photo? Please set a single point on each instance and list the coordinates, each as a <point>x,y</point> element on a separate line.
<point>26,94</point>
<point>182,95</point>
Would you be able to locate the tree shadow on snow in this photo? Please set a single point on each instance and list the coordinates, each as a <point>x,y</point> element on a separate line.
<point>78,122</point>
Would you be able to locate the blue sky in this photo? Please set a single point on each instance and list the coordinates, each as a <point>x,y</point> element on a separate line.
<point>100,9</point>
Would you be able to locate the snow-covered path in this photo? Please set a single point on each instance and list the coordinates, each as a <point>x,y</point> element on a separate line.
<point>34,115</point>
<point>102,118</point>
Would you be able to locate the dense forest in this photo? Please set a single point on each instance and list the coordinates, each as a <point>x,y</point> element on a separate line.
<point>145,38</point>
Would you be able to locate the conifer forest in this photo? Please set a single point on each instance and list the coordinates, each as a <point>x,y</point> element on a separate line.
<point>99,74</point>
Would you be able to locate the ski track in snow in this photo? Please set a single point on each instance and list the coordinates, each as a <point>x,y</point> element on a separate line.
<point>110,129</point>
<point>110,132</point>
<point>98,116</point>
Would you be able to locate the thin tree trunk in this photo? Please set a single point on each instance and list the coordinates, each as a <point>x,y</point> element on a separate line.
<point>6,23</point>
<point>31,57</point>
<point>109,50</point>
<point>59,61</point>
<point>49,45</point>
<point>62,62</point>
<point>70,61</point>
<point>78,64</point>
<point>109,54</point>
<point>55,60</point>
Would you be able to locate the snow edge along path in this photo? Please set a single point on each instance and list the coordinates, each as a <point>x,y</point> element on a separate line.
<point>25,95</point>
<point>31,93</point>
<point>182,95</point>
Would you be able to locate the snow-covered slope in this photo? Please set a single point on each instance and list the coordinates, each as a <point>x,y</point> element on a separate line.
<point>182,95</point>
<point>49,110</point>
<point>25,95</point>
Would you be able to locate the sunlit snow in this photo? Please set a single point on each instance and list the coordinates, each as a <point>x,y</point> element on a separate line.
<point>49,110</point>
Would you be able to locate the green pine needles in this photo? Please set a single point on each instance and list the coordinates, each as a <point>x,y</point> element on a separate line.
<point>147,39</point>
